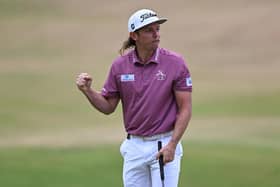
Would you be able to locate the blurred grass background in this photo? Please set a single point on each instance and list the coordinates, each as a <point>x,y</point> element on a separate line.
<point>49,134</point>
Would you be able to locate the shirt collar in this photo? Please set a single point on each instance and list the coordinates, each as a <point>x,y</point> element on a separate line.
<point>154,57</point>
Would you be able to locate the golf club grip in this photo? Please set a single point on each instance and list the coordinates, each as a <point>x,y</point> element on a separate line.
<point>161,161</point>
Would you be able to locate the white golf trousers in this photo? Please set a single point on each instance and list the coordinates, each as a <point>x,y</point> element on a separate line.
<point>141,168</point>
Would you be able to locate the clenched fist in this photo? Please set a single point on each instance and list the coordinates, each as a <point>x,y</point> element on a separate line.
<point>84,81</point>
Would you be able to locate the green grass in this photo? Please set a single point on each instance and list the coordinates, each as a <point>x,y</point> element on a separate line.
<point>60,167</point>
<point>227,165</point>
<point>204,164</point>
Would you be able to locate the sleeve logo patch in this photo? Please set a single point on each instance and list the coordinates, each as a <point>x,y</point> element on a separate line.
<point>127,77</point>
<point>189,81</point>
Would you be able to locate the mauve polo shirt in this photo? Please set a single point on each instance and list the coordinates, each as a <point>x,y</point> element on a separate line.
<point>147,91</point>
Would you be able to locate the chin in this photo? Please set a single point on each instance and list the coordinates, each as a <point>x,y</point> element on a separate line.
<point>155,45</point>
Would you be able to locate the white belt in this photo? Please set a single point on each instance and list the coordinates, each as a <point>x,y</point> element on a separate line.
<point>151,138</point>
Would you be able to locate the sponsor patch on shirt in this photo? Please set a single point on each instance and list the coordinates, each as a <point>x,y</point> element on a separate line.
<point>127,77</point>
<point>189,81</point>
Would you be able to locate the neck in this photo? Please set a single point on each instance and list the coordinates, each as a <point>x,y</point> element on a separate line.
<point>144,55</point>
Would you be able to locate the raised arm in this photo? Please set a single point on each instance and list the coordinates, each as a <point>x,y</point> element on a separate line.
<point>97,100</point>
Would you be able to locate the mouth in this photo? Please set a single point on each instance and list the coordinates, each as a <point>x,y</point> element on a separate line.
<point>156,41</point>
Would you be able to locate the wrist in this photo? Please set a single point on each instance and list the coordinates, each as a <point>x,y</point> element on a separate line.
<point>87,90</point>
<point>173,143</point>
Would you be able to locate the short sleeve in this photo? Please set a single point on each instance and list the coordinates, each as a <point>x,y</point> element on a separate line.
<point>110,88</point>
<point>183,80</point>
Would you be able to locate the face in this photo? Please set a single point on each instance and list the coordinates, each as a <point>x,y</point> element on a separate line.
<point>148,37</point>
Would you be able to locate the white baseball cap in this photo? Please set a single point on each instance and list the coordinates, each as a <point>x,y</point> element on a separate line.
<point>142,18</point>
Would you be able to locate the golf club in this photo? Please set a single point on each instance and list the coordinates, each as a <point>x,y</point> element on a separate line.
<point>161,169</point>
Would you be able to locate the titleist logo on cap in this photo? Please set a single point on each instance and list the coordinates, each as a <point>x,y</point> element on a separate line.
<point>146,16</point>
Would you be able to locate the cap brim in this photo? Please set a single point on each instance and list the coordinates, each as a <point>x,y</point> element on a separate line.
<point>161,20</point>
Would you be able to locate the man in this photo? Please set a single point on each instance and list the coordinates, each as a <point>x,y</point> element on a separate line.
<point>154,86</point>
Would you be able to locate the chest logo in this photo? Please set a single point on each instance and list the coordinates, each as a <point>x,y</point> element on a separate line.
<point>160,75</point>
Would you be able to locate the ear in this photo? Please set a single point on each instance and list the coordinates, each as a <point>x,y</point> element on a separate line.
<point>133,35</point>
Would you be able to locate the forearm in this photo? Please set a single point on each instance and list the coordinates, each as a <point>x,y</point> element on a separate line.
<point>180,126</point>
<point>98,101</point>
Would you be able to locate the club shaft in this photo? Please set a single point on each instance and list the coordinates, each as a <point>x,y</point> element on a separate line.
<point>161,162</point>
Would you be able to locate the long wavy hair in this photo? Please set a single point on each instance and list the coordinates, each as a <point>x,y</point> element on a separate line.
<point>127,44</point>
